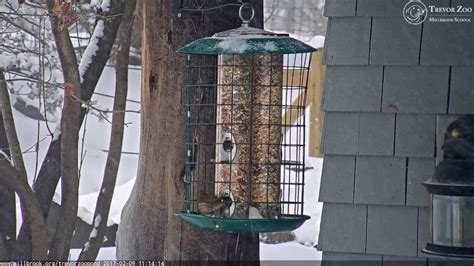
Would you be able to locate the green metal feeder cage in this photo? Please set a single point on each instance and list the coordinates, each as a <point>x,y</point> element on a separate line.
<point>245,131</point>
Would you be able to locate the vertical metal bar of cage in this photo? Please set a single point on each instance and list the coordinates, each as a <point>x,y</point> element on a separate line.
<point>291,145</point>
<point>251,136</point>
<point>188,136</point>
<point>269,132</point>
<point>284,141</point>
<point>232,119</point>
<point>200,90</point>
<point>299,123</point>
<point>295,179</point>
<point>307,72</point>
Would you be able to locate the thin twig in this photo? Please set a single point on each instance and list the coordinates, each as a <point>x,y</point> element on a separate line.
<point>22,28</point>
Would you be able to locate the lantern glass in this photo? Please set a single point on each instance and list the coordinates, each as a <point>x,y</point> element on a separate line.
<point>452,221</point>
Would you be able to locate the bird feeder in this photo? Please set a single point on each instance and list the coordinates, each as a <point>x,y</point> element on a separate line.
<point>245,130</point>
<point>452,194</point>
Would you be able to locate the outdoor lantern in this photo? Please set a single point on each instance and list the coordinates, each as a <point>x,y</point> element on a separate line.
<point>452,194</point>
<point>245,130</point>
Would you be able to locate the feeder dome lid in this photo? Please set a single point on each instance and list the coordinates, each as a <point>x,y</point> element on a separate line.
<point>246,40</point>
<point>453,178</point>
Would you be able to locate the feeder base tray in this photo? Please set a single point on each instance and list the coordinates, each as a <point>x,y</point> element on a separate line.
<point>284,223</point>
<point>447,251</point>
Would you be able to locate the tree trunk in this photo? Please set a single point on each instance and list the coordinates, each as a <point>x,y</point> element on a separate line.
<point>10,130</point>
<point>70,124</point>
<point>101,215</point>
<point>32,211</point>
<point>149,228</point>
<point>7,198</point>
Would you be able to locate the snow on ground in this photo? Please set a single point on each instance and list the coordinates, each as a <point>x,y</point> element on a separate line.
<point>290,251</point>
<point>308,233</point>
<point>104,254</point>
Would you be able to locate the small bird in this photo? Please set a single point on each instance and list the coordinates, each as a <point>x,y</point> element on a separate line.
<point>215,208</point>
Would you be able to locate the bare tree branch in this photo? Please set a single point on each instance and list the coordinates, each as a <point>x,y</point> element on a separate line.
<point>12,139</point>
<point>8,206</point>
<point>32,215</point>
<point>9,124</point>
<point>7,19</point>
<point>70,124</point>
<point>101,215</point>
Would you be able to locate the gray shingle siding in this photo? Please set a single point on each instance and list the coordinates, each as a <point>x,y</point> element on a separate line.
<point>377,8</point>
<point>391,90</point>
<point>380,180</point>
<point>352,259</point>
<point>341,133</point>
<point>340,8</point>
<point>392,230</point>
<point>352,89</point>
<point>405,261</point>
<point>337,180</point>
<point>415,135</point>
<point>344,228</point>
<point>388,8</point>
<point>447,44</point>
<point>461,97</point>
<point>394,42</point>
<point>415,89</point>
<point>347,41</point>
<point>419,171</point>
<point>376,133</point>
<point>359,133</point>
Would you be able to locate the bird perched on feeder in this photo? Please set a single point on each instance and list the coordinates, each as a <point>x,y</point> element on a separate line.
<point>216,208</point>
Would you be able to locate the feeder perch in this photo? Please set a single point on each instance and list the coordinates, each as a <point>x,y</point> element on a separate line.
<point>452,194</point>
<point>239,85</point>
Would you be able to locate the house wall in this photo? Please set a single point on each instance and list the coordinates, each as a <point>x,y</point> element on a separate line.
<point>391,89</point>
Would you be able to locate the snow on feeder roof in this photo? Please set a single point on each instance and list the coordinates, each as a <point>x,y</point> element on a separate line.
<point>246,40</point>
<point>245,131</point>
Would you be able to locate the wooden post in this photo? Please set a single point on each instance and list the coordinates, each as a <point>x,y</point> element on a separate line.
<point>315,90</point>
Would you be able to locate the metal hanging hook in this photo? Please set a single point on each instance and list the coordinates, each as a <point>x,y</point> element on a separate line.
<point>246,22</point>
